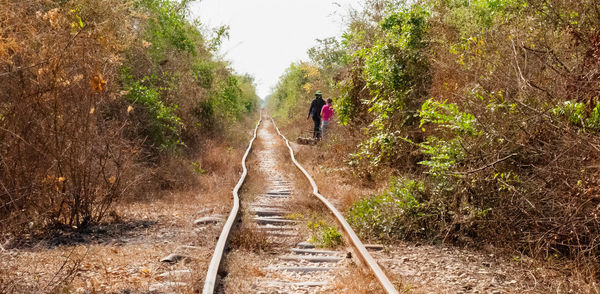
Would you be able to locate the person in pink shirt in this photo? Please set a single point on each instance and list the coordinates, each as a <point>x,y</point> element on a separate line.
<point>326,114</point>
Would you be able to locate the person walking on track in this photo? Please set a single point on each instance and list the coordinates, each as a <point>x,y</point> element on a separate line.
<point>315,111</point>
<point>326,114</point>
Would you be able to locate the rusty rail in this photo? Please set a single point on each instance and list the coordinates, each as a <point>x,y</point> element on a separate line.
<point>213,269</point>
<point>363,254</point>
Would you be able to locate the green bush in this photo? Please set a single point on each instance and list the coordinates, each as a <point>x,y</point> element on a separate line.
<point>397,213</point>
<point>393,67</point>
<point>443,155</point>
<point>448,116</point>
<point>492,103</point>
<point>289,94</point>
<point>178,88</point>
<point>163,125</point>
<point>575,112</point>
<point>204,74</point>
<point>169,27</point>
<point>324,235</point>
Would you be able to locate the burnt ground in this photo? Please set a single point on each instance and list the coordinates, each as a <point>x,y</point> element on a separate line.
<point>118,232</point>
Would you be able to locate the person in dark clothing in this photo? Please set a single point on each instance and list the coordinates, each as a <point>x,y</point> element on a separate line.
<point>315,112</point>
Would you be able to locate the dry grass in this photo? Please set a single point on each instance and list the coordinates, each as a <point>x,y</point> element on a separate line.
<point>124,254</point>
<point>356,280</point>
<point>65,156</point>
<point>244,268</point>
<point>249,238</point>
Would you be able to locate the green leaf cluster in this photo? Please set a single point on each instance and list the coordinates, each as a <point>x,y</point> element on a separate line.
<point>576,114</point>
<point>392,214</point>
<point>448,121</point>
<point>325,235</point>
<point>168,28</point>
<point>448,116</point>
<point>394,68</point>
<point>164,125</point>
<point>177,86</point>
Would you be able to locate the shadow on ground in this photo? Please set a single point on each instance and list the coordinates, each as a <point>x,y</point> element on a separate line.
<point>114,233</point>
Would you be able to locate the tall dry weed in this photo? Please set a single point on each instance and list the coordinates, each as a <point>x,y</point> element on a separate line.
<point>63,158</point>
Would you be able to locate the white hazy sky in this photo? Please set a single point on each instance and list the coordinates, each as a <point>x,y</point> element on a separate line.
<point>267,35</point>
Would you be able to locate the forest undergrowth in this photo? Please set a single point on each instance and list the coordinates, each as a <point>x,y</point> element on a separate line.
<point>481,118</point>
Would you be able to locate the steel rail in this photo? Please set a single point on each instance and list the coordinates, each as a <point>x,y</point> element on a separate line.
<point>213,269</point>
<point>363,254</point>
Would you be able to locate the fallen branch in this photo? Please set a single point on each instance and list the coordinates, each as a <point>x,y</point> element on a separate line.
<point>485,166</point>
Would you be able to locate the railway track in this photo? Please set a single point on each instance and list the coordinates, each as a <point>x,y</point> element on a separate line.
<point>292,265</point>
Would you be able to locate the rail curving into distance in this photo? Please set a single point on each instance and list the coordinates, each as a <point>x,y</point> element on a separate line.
<point>213,268</point>
<point>210,281</point>
<point>363,254</point>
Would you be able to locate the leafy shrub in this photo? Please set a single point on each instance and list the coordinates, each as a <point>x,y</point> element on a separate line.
<point>225,99</point>
<point>290,94</point>
<point>575,112</point>
<point>448,116</point>
<point>169,28</point>
<point>450,122</point>
<point>172,76</point>
<point>164,125</point>
<point>394,214</point>
<point>324,235</point>
<point>204,74</point>
<point>507,147</point>
<point>395,70</point>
